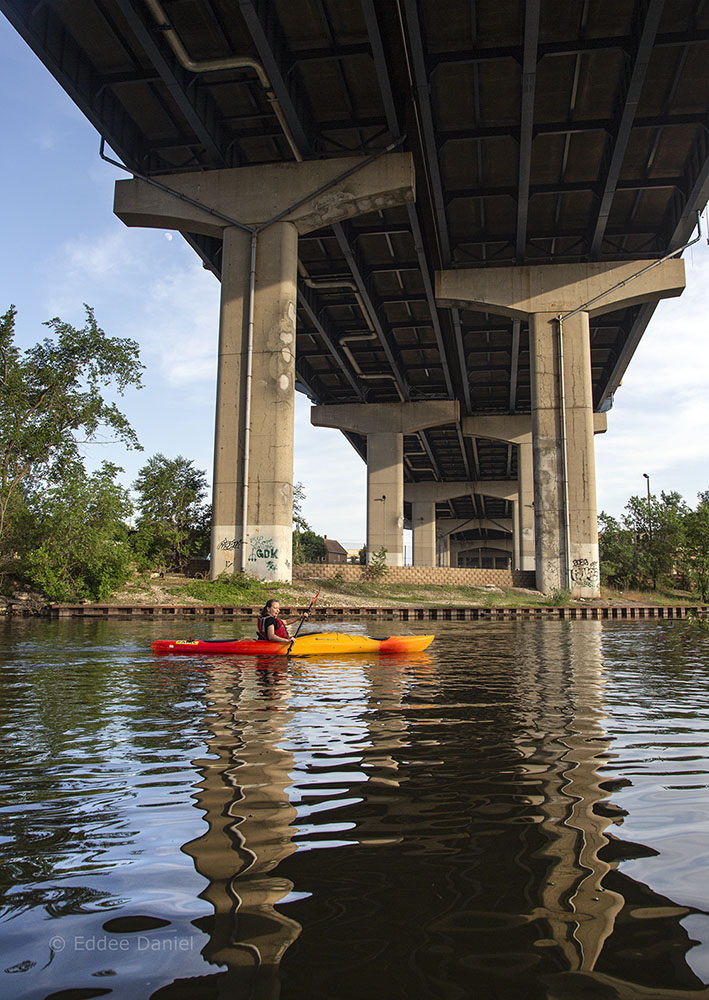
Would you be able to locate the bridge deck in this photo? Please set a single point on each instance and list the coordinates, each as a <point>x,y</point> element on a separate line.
<point>543,132</point>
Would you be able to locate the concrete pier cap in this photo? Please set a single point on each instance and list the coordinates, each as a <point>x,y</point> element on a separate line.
<point>500,489</point>
<point>514,428</point>
<point>386,418</point>
<point>558,288</point>
<point>452,525</point>
<point>254,195</point>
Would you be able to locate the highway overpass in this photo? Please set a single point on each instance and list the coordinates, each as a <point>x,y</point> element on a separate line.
<point>401,199</point>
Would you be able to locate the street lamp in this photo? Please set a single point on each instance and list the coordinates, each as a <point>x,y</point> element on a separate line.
<point>649,508</point>
<point>383,500</point>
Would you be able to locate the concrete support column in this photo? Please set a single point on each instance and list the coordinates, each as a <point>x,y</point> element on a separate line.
<point>562,412</point>
<point>455,547</point>
<point>428,494</point>
<point>564,460</point>
<point>443,550</point>
<point>385,459</point>
<point>525,505</point>
<point>385,496</point>
<point>269,522</point>
<point>516,558</point>
<point>423,520</point>
<point>276,203</point>
<point>514,429</point>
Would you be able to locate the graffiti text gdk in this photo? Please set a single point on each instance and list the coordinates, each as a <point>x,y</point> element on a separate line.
<point>262,548</point>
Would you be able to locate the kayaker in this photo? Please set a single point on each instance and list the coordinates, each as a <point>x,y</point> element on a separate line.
<point>270,627</point>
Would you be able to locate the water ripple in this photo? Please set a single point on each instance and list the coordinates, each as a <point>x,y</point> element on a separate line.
<point>524,801</point>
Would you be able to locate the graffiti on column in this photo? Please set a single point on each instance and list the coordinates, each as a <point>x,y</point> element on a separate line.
<point>584,573</point>
<point>264,548</point>
<point>229,544</point>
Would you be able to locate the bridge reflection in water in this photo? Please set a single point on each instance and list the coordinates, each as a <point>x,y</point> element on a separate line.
<point>428,826</point>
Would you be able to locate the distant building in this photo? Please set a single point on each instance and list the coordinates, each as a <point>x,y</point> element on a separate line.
<point>335,552</point>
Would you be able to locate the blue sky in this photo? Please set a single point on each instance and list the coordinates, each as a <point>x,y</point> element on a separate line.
<point>62,246</point>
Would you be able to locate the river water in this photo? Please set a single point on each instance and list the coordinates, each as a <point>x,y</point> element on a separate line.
<point>522,811</point>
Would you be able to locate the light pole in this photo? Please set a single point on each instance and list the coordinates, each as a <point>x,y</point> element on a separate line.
<point>649,508</point>
<point>649,533</point>
<point>383,500</point>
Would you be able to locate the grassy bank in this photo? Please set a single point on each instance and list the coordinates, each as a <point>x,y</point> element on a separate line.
<point>239,590</point>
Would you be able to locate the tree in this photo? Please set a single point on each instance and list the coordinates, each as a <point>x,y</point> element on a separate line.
<point>300,525</point>
<point>697,545</point>
<point>658,539</point>
<point>173,523</point>
<point>308,547</point>
<point>51,400</point>
<point>376,568</point>
<point>299,521</point>
<point>314,547</point>
<point>617,551</point>
<point>75,535</point>
<point>659,528</point>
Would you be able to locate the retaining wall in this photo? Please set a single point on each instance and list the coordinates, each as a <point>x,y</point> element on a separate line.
<point>422,575</point>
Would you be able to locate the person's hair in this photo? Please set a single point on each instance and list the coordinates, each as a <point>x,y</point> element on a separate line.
<point>266,610</point>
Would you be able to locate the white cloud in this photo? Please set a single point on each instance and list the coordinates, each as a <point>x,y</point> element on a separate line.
<point>46,139</point>
<point>660,420</point>
<point>182,314</point>
<point>146,288</point>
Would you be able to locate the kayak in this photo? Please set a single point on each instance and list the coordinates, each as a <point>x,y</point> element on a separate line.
<point>318,643</point>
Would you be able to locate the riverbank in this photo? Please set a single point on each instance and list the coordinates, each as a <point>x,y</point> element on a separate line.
<point>176,594</point>
<point>172,589</point>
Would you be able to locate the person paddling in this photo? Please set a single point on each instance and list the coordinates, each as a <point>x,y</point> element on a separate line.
<point>270,627</point>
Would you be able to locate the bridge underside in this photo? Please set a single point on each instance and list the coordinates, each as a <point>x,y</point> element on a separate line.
<point>542,133</point>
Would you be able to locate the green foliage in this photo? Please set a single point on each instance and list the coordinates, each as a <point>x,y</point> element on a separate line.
<point>51,400</point>
<point>377,567</point>
<point>299,525</point>
<point>659,534</point>
<point>696,553</point>
<point>313,547</point>
<point>298,554</point>
<point>299,522</point>
<point>306,548</point>
<point>173,523</point>
<point>659,542</point>
<point>228,589</point>
<point>618,553</point>
<point>559,598</point>
<point>75,538</point>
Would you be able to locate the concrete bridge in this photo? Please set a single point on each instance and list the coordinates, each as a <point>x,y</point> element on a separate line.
<point>435,219</point>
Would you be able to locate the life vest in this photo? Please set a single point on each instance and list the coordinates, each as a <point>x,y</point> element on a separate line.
<point>280,630</point>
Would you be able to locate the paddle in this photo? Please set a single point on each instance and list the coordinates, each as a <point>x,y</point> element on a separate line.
<point>300,624</point>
